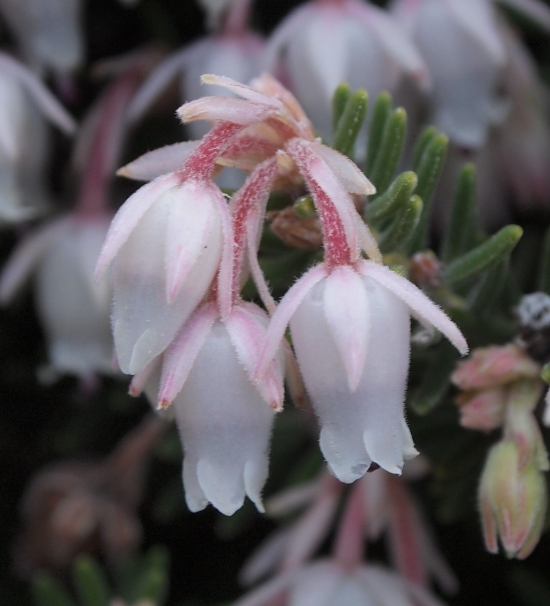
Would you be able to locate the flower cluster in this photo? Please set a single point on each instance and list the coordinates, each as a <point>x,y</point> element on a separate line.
<point>177,251</point>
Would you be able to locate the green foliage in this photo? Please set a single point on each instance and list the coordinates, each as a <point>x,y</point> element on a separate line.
<point>350,121</point>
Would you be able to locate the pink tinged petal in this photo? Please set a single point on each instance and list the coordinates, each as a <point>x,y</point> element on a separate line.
<point>538,11</point>
<point>253,233</point>
<point>141,379</point>
<point>225,284</point>
<point>395,42</point>
<point>49,105</point>
<point>246,331</point>
<point>288,305</point>
<point>346,307</point>
<point>153,87</point>
<point>153,164</point>
<point>227,109</point>
<point>319,585</point>
<point>417,302</point>
<point>144,323</point>
<point>26,257</point>
<point>224,424</point>
<point>128,216</point>
<point>265,558</point>
<point>477,18</point>
<point>183,351</point>
<point>309,531</point>
<point>242,90</point>
<point>365,425</point>
<point>348,173</point>
<point>192,221</point>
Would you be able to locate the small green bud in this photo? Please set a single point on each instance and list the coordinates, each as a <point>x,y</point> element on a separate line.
<point>512,500</point>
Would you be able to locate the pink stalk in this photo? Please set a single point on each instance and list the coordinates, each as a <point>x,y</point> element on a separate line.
<point>349,546</point>
<point>106,141</point>
<point>202,161</point>
<point>335,242</point>
<point>237,18</point>
<point>404,527</point>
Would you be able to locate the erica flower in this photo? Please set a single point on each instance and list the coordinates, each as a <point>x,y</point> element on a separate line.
<point>23,139</point>
<point>350,327</point>
<point>367,49</point>
<point>49,33</point>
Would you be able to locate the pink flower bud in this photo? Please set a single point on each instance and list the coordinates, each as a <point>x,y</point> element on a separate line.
<point>493,366</point>
<point>483,410</point>
<point>512,500</point>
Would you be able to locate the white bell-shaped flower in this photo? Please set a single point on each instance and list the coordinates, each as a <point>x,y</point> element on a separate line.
<point>225,426</point>
<point>49,32</point>
<point>462,47</point>
<point>73,309</point>
<point>324,43</point>
<point>166,242</point>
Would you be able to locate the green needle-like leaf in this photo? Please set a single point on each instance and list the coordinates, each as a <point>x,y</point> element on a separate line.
<point>389,150</point>
<point>422,142</point>
<point>90,582</point>
<point>403,226</point>
<point>393,199</point>
<point>493,250</point>
<point>545,373</point>
<point>489,289</point>
<point>47,591</point>
<point>154,582</point>
<point>428,170</point>
<point>304,207</point>
<point>340,99</point>
<point>350,122</point>
<point>380,115</point>
<point>544,272</point>
<point>463,226</point>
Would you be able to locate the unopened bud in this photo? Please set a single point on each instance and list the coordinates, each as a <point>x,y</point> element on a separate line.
<point>482,410</point>
<point>512,501</point>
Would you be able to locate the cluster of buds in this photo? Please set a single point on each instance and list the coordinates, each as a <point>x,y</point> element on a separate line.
<point>502,387</point>
<point>179,254</point>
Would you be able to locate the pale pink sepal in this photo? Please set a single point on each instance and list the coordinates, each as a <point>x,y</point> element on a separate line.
<point>182,353</point>
<point>129,215</point>
<point>242,90</point>
<point>310,530</point>
<point>25,257</point>
<point>252,232</point>
<point>140,380</point>
<point>416,300</point>
<point>284,312</point>
<point>190,223</point>
<point>348,173</point>
<point>394,41</point>
<point>346,307</point>
<point>153,164</point>
<point>49,105</point>
<point>538,11</point>
<point>246,329</point>
<point>225,271</point>
<point>477,18</point>
<point>226,109</point>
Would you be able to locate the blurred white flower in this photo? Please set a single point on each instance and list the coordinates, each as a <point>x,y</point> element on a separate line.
<point>49,32</point>
<point>325,42</point>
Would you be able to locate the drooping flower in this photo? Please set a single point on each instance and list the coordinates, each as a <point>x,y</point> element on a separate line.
<point>24,139</point>
<point>74,309</point>
<point>340,313</point>
<point>49,33</point>
<point>367,49</point>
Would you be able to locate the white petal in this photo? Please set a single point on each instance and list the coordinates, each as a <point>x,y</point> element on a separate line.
<point>317,585</point>
<point>25,258</point>
<point>144,323</point>
<point>158,162</point>
<point>242,90</point>
<point>417,301</point>
<point>193,218</point>
<point>129,215</point>
<point>349,174</point>
<point>348,316</point>
<point>194,495</point>
<point>224,424</point>
<point>385,587</point>
<point>284,312</point>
